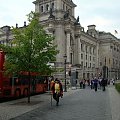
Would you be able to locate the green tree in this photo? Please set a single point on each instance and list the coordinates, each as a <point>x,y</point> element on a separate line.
<point>32,50</point>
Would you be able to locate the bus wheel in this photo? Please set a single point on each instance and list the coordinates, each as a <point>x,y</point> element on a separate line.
<point>17,93</point>
<point>25,93</point>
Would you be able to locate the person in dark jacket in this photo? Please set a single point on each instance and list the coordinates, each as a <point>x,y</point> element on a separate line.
<point>103,83</point>
<point>95,81</point>
<point>57,90</point>
<point>81,84</point>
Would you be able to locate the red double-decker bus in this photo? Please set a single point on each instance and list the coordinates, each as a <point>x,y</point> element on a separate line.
<point>19,86</point>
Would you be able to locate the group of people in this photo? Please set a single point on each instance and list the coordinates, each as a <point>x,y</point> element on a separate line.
<point>94,83</point>
<point>57,89</point>
<point>99,82</point>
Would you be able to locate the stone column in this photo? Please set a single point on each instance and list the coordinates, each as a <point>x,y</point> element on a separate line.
<point>58,4</point>
<point>60,42</point>
<point>37,7</point>
<point>67,47</point>
<point>97,55</point>
<point>92,56</point>
<point>79,50</point>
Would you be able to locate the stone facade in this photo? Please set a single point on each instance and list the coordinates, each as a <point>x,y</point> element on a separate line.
<point>91,53</point>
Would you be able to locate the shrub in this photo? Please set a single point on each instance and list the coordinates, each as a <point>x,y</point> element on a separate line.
<point>117,86</point>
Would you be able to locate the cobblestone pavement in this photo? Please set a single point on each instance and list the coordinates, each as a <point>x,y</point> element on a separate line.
<point>84,104</point>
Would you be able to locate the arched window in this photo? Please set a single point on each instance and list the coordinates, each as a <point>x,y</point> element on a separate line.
<point>47,7</point>
<point>52,6</point>
<point>41,9</point>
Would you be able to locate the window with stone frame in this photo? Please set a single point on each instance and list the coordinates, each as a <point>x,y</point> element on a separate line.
<point>53,7</point>
<point>100,63</point>
<point>90,58</point>
<point>82,64</point>
<point>86,57</point>
<point>90,65</point>
<point>47,7</point>
<point>86,49</point>
<point>81,47</point>
<point>41,9</point>
<point>86,64</point>
<point>81,56</point>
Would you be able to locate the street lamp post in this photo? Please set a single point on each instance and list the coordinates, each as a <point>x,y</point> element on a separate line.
<point>65,58</point>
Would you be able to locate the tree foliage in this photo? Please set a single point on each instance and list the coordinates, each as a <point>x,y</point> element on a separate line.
<point>32,49</point>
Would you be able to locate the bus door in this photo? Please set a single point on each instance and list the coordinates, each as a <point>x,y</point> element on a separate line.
<point>14,82</point>
<point>33,85</point>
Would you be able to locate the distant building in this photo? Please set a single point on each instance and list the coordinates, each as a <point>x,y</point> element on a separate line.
<point>91,53</point>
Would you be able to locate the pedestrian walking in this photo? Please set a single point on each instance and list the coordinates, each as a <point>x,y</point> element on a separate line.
<point>113,81</point>
<point>57,90</point>
<point>103,83</point>
<point>92,83</point>
<point>99,83</point>
<point>81,84</point>
<point>84,81</point>
<point>95,81</point>
<point>51,84</point>
<point>76,83</point>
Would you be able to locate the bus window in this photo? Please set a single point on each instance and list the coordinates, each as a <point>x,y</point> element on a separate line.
<point>24,81</point>
<point>40,79</point>
<point>17,81</point>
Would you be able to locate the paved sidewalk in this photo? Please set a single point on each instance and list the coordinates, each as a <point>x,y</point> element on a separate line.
<point>18,107</point>
<point>114,102</point>
<point>83,104</point>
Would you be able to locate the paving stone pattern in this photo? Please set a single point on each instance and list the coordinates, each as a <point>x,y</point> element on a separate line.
<point>83,104</point>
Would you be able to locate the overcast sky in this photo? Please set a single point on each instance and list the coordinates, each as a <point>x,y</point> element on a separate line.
<point>105,14</point>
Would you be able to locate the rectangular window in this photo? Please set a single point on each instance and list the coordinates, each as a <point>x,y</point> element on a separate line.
<point>86,57</point>
<point>66,8</point>
<point>82,64</point>
<point>81,47</point>
<point>81,56</point>
<point>86,49</point>
<point>86,65</point>
<point>90,58</point>
<point>90,65</point>
<point>93,51</point>
<point>71,58</point>
<point>100,63</point>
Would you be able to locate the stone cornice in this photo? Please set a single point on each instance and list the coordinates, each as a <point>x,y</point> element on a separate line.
<point>88,43</point>
<point>109,40</point>
<point>89,37</point>
<point>70,2</point>
<point>69,25</point>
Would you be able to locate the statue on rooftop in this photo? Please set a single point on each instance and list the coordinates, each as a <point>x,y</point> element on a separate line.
<point>66,15</point>
<point>77,21</point>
